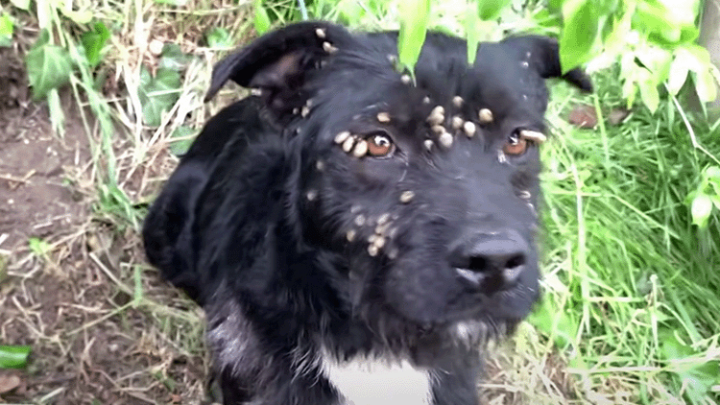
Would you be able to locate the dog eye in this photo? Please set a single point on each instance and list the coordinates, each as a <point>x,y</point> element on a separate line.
<point>515,145</point>
<point>380,145</point>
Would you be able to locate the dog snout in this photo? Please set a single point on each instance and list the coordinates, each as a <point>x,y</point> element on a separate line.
<point>491,261</point>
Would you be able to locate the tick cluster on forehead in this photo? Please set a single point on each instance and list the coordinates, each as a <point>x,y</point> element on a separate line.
<point>348,212</point>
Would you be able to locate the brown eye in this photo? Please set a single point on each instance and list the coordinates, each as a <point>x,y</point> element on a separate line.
<point>515,145</point>
<point>379,145</point>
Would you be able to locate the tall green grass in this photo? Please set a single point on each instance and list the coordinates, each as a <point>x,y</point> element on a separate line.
<point>632,285</point>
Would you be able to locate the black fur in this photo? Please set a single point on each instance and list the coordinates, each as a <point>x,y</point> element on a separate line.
<point>254,222</point>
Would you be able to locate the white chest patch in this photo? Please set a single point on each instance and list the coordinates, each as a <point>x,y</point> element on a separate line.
<point>374,382</point>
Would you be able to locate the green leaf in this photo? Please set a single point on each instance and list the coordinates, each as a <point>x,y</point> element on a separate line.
<point>580,30</point>
<point>649,92</point>
<point>555,5</point>
<point>173,58</point>
<point>14,356</point>
<point>351,12</point>
<point>697,377</point>
<point>21,4</point>
<point>491,9</point>
<point>158,95</point>
<point>6,29</point>
<point>713,172</point>
<point>472,35</point>
<point>262,20</point>
<point>413,29</point>
<point>94,42</point>
<point>38,247</point>
<point>48,66</point>
<point>701,209</point>
<point>181,139</point>
<point>678,75</point>
<point>219,37</point>
<point>705,86</point>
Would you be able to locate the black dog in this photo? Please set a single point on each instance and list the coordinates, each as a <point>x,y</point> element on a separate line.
<point>355,234</point>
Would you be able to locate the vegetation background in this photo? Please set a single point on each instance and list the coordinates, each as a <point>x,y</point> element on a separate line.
<point>98,98</point>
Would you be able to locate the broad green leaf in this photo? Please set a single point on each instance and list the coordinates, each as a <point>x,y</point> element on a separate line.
<point>14,356</point>
<point>472,34</point>
<point>678,75</point>
<point>698,57</point>
<point>648,91</point>
<point>350,11</point>
<point>181,139</point>
<point>697,377</point>
<point>706,86</point>
<point>657,60</point>
<point>219,37</point>
<point>21,4</point>
<point>616,39</point>
<point>701,209</point>
<point>580,30</point>
<point>6,29</point>
<point>262,20</point>
<point>654,16</point>
<point>173,57</point>
<point>713,173</point>
<point>491,9</point>
<point>158,95</point>
<point>94,42</point>
<point>555,5</point>
<point>413,29</point>
<point>545,19</point>
<point>49,67</point>
<point>716,201</point>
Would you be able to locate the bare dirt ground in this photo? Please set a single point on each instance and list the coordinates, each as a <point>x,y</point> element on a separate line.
<point>70,301</point>
<point>103,328</point>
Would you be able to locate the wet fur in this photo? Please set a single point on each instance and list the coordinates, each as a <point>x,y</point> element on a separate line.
<point>282,286</point>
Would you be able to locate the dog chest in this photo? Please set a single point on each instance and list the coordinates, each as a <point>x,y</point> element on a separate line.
<point>378,382</point>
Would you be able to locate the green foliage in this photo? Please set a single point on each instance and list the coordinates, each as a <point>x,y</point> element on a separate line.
<point>579,33</point>
<point>48,66</point>
<point>651,37</point>
<point>14,356</point>
<point>6,29</point>
<point>696,375</point>
<point>181,139</point>
<point>491,9</point>
<point>413,28</point>
<point>262,20</point>
<point>39,247</point>
<point>705,197</point>
<point>158,94</point>
<point>219,37</point>
<point>94,42</point>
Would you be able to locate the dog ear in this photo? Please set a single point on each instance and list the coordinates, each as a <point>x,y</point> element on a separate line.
<point>277,62</point>
<point>543,54</point>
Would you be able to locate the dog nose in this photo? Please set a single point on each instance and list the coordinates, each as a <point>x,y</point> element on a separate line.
<point>491,261</point>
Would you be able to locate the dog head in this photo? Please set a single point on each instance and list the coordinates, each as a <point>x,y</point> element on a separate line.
<point>421,191</point>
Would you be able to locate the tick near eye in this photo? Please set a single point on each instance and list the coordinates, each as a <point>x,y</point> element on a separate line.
<point>515,145</point>
<point>379,145</point>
